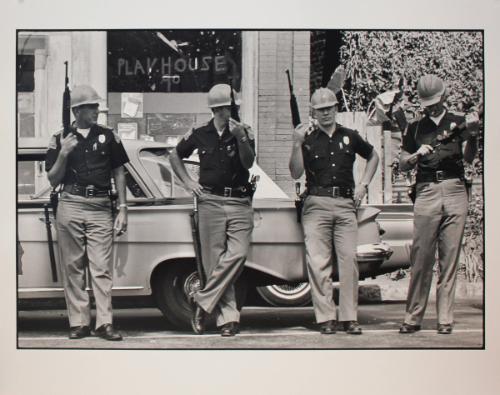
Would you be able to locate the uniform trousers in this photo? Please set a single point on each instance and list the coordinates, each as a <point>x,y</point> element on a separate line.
<point>330,225</point>
<point>439,220</point>
<point>85,236</point>
<point>226,225</point>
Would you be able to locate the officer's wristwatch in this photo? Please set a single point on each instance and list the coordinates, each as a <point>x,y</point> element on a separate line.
<point>122,206</point>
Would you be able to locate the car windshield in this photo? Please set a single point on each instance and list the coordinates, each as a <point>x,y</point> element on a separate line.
<point>158,167</point>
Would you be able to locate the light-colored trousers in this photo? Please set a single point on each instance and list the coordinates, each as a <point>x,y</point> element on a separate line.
<point>439,220</point>
<point>226,226</point>
<point>330,225</point>
<point>85,235</point>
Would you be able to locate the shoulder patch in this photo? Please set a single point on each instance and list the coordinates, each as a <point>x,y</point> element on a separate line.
<point>116,136</point>
<point>188,134</point>
<point>53,142</point>
<point>249,132</point>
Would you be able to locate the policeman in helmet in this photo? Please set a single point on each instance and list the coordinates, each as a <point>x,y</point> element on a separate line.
<point>441,201</point>
<point>83,162</point>
<point>326,151</point>
<point>226,152</point>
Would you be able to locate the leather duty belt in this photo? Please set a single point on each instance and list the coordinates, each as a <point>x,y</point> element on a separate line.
<point>437,176</point>
<point>338,191</point>
<point>239,192</point>
<point>87,191</point>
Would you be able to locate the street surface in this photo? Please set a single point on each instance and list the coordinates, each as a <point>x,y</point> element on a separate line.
<point>261,328</point>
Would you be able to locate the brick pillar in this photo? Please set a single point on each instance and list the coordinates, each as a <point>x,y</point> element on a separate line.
<point>279,51</point>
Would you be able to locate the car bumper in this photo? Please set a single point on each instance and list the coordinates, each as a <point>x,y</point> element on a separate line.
<point>374,252</point>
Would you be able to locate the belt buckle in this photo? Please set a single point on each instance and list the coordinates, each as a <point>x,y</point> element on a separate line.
<point>89,191</point>
<point>227,191</point>
<point>335,192</point>
<point>439,176</point>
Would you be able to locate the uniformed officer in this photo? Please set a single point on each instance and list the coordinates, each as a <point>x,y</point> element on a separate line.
<point>84,161</point>
<point>226,151</point>
<point>441,201</point>
<point>326,151</point>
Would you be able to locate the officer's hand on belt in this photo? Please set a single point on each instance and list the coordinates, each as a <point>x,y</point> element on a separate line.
<point>299,133</point>
<point>68,143</point>
<point>237,129</point>
<point>359,193</point>
<point>121,221</point>
<point>194,188</point>
<point>472,124</point>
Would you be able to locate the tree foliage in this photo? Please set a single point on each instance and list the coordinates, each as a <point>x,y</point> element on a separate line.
<point>375,60</point>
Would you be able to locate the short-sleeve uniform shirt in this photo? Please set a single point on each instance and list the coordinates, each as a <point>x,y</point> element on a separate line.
<point>93,158</point>
<point>220,164</point>
<point>446,156</point>
<point>329,161</point>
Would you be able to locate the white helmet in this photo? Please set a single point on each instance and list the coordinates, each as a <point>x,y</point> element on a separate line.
<point>84,94</point>
<point>220,95</point>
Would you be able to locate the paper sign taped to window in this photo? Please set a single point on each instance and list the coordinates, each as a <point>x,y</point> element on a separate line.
<point>127,131</point>
<point>132,105</point>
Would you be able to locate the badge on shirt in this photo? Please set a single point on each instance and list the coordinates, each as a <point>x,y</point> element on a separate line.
<point>102,138</point>
<point>230,150</point>
<point>346,140</point>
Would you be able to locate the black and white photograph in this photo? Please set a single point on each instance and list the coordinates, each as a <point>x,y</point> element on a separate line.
<point>189,194</point>
<point>341,195</point>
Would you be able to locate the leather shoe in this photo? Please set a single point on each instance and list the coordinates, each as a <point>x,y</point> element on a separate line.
<point>198,320</point>
<point>445,329</point>
<point>107,332</point>
<point>352,328</point>
<point>230,329</point>
<point>408,328</point>
<point>328,327</point>
<point>79,332</point>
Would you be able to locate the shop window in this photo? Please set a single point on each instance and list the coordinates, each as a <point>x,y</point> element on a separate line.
<point>173,60</point>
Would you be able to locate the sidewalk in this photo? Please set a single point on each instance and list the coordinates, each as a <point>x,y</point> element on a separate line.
<point>383,289</point>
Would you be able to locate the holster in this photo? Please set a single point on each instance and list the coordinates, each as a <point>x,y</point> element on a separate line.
<point>468,188</point>
<point>412,192</point>
<point>54,200</point>
<point>299,205</point>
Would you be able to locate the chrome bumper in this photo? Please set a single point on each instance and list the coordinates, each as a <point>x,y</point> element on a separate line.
<point>373,252</point>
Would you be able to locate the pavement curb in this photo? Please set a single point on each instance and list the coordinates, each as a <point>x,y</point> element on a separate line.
<point>383,289</point>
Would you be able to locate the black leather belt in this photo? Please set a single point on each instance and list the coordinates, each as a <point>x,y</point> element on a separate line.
<point>239,192</point>
<point>437,176</point>
<point>339,191</point>
<point>86,190</point>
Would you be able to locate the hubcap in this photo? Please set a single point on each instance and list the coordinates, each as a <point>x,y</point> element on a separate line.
<point>192,284</point>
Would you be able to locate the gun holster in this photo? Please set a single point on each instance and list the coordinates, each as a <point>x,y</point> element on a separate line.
<point>54,200</point>
<point>299,205</point>
<point>468,187</point>
<point>412,192</point>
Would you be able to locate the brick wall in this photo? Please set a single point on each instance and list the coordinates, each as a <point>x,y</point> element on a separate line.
<point>278,51</point>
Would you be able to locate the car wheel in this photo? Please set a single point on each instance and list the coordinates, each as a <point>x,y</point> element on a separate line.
<point>172,285</point>
<point>286,295</point>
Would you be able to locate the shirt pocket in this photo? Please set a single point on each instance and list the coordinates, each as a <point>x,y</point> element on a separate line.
<point>208,158</point>
<point>98,158</point>
<point>318,160</point>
